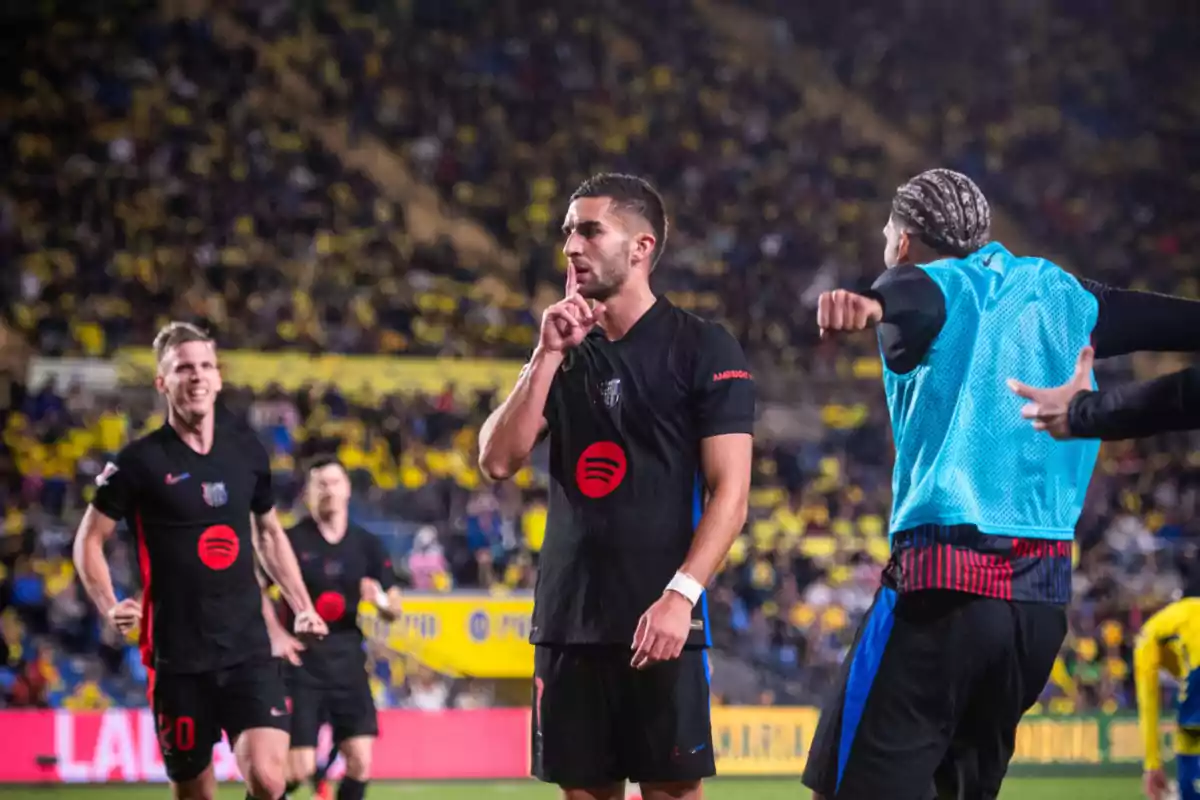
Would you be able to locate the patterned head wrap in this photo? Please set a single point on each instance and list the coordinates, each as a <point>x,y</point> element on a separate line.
<point>947,209</point>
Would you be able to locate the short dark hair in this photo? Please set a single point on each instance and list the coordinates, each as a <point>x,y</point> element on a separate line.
<point>176,333</point>
<point>322,461</point>
<point>946,210</point>
<point>634,195</point>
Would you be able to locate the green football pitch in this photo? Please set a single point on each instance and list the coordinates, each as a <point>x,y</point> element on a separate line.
<point>1091,788</point>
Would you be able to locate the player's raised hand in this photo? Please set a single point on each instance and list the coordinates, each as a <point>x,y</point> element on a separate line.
<point>1048,408</point>
<point>125,615</point>
<point>286,646</point>
<point>308,623</point>
<point>662,631</point>
<point>841,310</point>
<point>566,323</point>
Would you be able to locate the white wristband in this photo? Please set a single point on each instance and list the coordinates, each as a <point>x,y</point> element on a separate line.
<point>687,586</point>
<point>381,599</point>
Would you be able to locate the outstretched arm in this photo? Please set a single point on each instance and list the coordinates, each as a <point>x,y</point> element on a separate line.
<point>1074,411</point>
<point>1131,321</point>
<point>1169,403</point>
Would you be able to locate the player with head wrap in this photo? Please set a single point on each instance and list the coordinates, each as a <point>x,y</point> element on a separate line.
<point>971,614</point>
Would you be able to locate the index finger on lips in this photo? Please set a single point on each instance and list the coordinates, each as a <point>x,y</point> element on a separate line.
<point>572,280</point>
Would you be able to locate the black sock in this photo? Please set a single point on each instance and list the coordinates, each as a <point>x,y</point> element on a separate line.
<point>318,777</point>
<point>283,796</point>
<point>352,789</point>
<point>292,786</point>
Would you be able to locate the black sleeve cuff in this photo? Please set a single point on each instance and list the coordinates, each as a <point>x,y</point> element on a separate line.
<point>1079,414</point>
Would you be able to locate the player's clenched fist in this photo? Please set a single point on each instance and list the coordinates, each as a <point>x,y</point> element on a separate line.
<point>125,615</point>
<point>567,322</point>
<point>309,623</point>
<point>840,310</point>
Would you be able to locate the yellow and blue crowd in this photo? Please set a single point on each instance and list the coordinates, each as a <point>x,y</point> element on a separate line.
<point>149,177</point>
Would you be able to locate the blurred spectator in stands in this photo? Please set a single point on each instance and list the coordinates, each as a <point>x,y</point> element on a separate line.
<point>426,691</point>
<point>427,561</point>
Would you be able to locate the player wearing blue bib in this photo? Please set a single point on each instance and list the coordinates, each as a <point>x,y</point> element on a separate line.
<point>964,631</point>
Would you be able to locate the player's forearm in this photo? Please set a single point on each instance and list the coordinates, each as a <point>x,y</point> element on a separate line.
<point>1169,403</point>
<point>723,518</point>
<point>511,432</point>
<point>1131,321</point>
<point>274,626</point>
<point>92,568</point>
<point>275,552</point>
<point>1146,679</point>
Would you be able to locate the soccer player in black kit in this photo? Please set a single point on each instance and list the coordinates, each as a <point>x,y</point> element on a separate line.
<point>341,563</point>
<point>650,412</point>
<point>197,495</point>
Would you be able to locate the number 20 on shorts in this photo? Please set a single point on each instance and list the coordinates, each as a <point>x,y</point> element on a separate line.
<point>176,734</point>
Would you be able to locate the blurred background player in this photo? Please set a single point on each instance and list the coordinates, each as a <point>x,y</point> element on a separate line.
<point>650,412</point>
<point>341,564</point>
<point>1076,411</point>
<point>971,614</point>
<point>1170,641</point>
<point>189,491</point>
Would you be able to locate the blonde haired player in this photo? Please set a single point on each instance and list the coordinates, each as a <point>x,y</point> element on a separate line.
<point>1170,640</point>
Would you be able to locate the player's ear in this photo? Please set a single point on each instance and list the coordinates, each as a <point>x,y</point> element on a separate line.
<point>160,384</point>
<point>903,244</point>
<point>644,249</point>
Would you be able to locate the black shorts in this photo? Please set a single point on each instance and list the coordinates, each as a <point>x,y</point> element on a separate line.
<point>929,698</point>
<point>192,710</point>
<point>348,707</point>
<point>598,721</point>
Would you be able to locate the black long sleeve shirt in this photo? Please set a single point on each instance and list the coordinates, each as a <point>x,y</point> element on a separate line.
<point>960,557</point>
<point>914,312</point>
<point>1169,403</point>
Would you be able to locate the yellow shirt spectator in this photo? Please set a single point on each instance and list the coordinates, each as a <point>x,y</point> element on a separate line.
<point>88,696</point>
<point>533,526</point>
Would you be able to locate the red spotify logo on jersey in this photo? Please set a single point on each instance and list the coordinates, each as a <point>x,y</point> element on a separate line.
<point>219,547</point>
<point>601,469</point>
<point>330,606</point>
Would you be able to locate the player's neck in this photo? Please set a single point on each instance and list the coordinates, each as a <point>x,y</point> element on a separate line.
<point>195,433</point>
<point>624,309</point>
<point>332,526</point>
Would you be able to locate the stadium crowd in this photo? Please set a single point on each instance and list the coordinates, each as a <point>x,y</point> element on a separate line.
<point>1086,133</point>
<point>147,181</point>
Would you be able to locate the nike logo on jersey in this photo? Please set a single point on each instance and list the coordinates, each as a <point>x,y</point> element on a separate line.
<point>174,479</point>
<point>275,712</point>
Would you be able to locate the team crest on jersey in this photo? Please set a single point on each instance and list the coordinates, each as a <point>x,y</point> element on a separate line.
<point>610,392</point>
<point>214,494</point>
